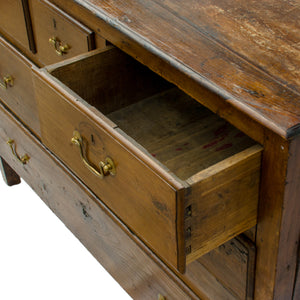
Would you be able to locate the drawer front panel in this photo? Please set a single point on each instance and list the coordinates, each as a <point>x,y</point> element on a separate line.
<point>17,86</point>
<point>106,237</point>
<point>137,194</point>
<point>57,35</point>
<point>12,21</point>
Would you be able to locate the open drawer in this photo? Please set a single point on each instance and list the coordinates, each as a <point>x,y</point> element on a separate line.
<point>182,179</point>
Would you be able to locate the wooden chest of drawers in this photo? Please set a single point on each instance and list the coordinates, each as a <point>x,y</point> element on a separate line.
<point>133,145</point>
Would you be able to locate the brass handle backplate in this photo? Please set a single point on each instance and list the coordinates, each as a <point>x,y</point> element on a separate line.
<point>105,168</point>
<point>60,49</point>
<point>7,81</point>
<point>22,159</point>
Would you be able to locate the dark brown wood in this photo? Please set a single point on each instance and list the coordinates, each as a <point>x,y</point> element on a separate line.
<point>19,96</point>
<point>8,174</point>
<point>28,23</point>
<point>296,293</point>
<point>110,241</point>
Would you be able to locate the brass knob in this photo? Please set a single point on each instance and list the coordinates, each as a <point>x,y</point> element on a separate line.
<point>161,297</point>
<point>60,49</point>
<point>7,81</point>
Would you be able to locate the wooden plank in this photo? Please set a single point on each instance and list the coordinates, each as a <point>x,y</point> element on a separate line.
<point>200,58</point>
<point>296,293</point>
<point>12,21</point>
<point>179,132</point>
<point>252,38</point>
<point>278,220</point>
<point>233,264</point>
<point>19,96</point>
<point>132,264</point>
<point>108,79</point>
<point>8,174</point>
<point>223,201</point>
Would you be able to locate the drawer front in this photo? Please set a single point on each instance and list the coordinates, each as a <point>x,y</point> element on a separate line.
<point>140,273</point>
<point>12,21</point>
<point>16,85</point>
<point>137,194</point>
<point>57,35</point>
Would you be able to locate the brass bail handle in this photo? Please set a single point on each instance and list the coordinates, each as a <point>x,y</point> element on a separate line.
<point>6,82</point>
<point>22,159</point>
<point>105,168</point>
<point>60,49</point>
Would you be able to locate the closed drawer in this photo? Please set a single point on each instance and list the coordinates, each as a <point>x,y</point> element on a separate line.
<point>57,35</point>
<point>97,228</point>
<point>16,89</point>
<point>181,178</point>
<point>13,23</point>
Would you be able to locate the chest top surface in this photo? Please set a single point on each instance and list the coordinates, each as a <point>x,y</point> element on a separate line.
<point>247,52</point>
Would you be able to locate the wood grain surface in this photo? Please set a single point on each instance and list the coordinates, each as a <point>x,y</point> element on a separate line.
<point>19,97</point>
<point>173,42</point>
<point>12,21</point>
<point>133,265</point>
<point>50,22</point>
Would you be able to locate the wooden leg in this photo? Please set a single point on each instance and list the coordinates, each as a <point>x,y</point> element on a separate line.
<point>9,175</point>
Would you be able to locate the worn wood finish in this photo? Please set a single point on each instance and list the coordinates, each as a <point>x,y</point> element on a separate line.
<point>229,186</point>
<point>20,96</point>
<point>50,22</point>
<point>12,21</point>
<point>169,69</point>
<point>8,174</point>
<point>180,133</point>
<point>137,194</point>
<point>227,153</point>
<point>199,57</point>
<point>89,219</point>
<point>114,79</point>
<point>275,273</point>
<point>233,264</point>
<point>296,293</point>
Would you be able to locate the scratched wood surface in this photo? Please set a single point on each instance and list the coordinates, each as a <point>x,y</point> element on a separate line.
<point>193,36</point>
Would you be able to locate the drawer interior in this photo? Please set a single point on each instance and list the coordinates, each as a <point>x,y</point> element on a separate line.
<point>171,127</point>
<point>189,180</point>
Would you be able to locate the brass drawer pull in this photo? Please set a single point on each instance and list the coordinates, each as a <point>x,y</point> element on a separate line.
<point>105,168</point>
<point>24,159</point>
<point>7,81</point>
<point>60,49</point>
<point>161,297</point>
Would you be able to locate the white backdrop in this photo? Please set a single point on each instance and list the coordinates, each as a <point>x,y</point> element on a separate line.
<point>39,257</point>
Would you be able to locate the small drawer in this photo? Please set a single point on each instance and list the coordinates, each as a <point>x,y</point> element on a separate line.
<point>16,86</point>
<point>184,180</point>
<point>57,35</point>
<point>15,22</point>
